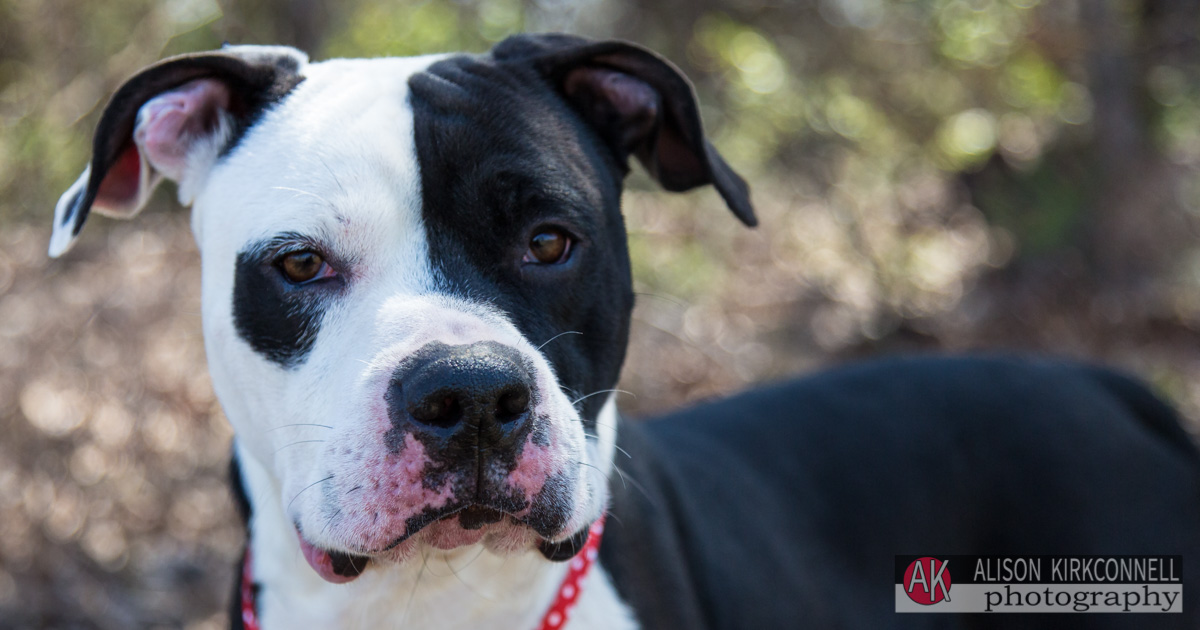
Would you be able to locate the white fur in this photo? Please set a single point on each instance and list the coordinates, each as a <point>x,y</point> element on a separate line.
<point>62,238</point>
<point>336,161</point>
<point>468,589</point>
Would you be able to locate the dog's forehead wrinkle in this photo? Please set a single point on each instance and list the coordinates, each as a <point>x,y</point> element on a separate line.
<point>343,135</point>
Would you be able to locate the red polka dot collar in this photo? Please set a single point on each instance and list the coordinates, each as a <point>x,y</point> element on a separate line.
<point>568,593</point>
<point>556,617</point>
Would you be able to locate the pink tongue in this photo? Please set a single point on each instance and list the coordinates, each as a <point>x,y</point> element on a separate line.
<point>322,563</point>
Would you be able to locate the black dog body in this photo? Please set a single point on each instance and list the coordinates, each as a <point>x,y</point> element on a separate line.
<point>785,506</point>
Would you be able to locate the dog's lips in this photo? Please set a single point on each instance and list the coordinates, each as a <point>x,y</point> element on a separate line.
<point>448,534</point>
<point>332,566</point>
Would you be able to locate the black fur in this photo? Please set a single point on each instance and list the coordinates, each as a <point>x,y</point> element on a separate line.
<point>789,503</point>
<point>278,319</point>
<point>671,145</point>
<point>500,156</point>
<point>505,149</point>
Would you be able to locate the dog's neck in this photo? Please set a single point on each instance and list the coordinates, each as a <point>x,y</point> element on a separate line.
<point>463,588</point>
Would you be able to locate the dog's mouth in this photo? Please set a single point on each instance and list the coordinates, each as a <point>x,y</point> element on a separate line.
<point>465,526</point>
<point>337,567</point>
<point>455,528</point>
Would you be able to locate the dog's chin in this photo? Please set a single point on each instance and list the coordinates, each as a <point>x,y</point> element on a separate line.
<point>494,531</point>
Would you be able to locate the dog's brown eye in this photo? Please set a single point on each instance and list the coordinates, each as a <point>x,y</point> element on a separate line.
<point>548,246</point>
<point>300,267</point>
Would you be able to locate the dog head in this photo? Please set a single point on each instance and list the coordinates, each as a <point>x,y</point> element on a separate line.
<point>416,287</point>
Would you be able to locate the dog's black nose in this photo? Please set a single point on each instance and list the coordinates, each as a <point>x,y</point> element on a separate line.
<point>477,394</point>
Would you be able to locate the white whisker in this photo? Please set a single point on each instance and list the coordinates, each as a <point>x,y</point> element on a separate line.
<point>569,332</point>
<point>603,391</point>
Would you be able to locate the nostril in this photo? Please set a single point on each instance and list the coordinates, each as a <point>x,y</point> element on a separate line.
<point>512,404</point>
<point>442,409</point>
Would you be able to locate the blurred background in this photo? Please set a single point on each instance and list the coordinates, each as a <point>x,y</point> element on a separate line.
<point>930,175</point>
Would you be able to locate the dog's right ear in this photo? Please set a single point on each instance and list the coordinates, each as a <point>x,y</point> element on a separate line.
<point>173,120</point>
<point>640,104</point>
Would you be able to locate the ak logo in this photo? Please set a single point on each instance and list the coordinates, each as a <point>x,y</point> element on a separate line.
<point>927,581</point>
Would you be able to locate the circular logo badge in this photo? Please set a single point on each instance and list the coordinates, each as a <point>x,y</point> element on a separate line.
<point>927,581</point>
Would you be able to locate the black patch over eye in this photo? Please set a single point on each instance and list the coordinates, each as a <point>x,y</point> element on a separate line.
<point>548,246</point>
<point>279,299</point>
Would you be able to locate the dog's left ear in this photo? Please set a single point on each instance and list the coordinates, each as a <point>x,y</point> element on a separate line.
<point>172,120</point>
<point>640,104</point>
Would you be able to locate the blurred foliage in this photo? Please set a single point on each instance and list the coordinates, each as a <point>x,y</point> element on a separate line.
<point>953,174</point>
<point>861,102</point>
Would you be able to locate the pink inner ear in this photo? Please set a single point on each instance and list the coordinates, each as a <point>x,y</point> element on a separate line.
<point>169,124</point>
<point>167,127</point>
<point>120,185</point>
<point>627,105</point>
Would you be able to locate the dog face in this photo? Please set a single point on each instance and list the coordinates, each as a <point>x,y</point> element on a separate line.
<point>415,282</point>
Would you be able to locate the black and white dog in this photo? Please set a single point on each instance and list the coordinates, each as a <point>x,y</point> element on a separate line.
<point>415,282</point>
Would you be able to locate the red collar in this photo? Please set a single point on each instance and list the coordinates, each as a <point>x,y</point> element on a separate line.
<point>568,593</point>
<point>554,619</point>
<point>249,610</point>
